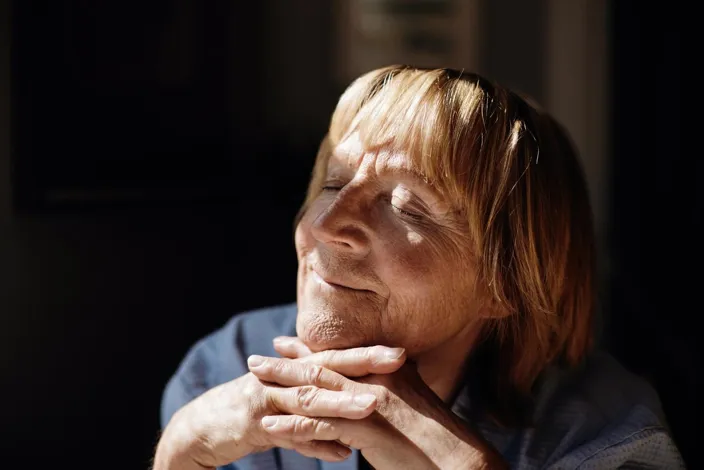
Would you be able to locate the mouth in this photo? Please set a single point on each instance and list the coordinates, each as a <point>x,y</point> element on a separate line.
<point>334,283</point>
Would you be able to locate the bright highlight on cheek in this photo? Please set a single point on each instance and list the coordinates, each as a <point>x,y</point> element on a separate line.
<point>414,238</point>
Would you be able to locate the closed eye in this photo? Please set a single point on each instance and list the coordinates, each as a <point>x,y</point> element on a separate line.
<point>404,213</point>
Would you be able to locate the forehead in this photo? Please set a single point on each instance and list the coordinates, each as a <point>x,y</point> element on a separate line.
<point>351,152</point>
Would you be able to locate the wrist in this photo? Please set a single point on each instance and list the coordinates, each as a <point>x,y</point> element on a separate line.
<point>476,456</point>
<point>470,450</point>
<point>174,449</point>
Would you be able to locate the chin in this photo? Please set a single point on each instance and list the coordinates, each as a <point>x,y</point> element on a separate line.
<point>323,327</point>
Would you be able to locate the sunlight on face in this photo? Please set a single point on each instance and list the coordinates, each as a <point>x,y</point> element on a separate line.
<point>413,238</point>
<point>383,257</point>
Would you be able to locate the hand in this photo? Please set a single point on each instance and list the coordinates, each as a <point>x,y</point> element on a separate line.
<point>225,423</point>
<point>411,427</point>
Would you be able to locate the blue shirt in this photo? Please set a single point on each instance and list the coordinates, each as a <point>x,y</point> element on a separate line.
<point>599,416</point>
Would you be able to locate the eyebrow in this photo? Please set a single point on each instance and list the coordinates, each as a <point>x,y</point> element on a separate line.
<point>409,172</point>
<point>438,198</point>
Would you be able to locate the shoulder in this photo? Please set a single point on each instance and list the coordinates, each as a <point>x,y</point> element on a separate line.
<point>221,356</point>
<point>601,387</point>
<point>599,415</point>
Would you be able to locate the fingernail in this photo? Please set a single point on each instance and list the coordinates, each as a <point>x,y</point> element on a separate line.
<point>344,453</point>
<point>255,361</point>
<point>393,353</point>
<point>363,401</point>
<point>269,421</point>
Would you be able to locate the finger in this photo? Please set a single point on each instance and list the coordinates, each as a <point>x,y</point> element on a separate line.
<point>291,347</point>
<point>291,373</point>
<point>329,451</point>
<point>358,362</point>
<point>313,401</point>
<point>324,450</point>
<point>297,428</point>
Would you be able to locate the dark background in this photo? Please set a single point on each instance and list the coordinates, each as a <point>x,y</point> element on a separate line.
<point>154,155</point>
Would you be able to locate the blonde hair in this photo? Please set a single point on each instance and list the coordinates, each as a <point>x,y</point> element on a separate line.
<point>515,174</point>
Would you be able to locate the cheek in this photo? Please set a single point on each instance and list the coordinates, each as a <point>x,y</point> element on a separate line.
<point>428,274</point>
<point>300,240</point>
<point>406,267</point>
<point>303,239</point>
<point>421,262</point>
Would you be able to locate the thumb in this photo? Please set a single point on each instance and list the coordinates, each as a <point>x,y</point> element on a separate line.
<point>358,362</point>
<point>291,347</point>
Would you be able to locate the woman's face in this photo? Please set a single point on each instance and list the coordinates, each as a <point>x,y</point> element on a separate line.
<point>383,258</point>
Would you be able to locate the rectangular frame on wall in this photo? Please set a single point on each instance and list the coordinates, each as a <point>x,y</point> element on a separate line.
<point>428,33</point>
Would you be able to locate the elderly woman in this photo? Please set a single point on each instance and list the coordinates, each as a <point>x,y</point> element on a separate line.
<point>444,307</point>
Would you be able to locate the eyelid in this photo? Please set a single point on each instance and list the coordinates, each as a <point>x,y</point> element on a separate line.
<point>406,213</point>
<point>332,184</point>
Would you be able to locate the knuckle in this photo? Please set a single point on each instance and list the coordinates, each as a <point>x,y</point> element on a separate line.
<point>314,374</point>
<point>278,366</point>
<point>302,425</point>
<point>250,387</point>
<point>306,397</point>
<point>322,426</point>
<point>330,357</point>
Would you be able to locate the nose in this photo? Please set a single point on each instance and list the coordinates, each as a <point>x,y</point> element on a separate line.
<point>344,224</point>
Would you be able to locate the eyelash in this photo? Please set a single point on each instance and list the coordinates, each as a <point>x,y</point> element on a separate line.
<point>396,209</point>
<point>410,215</point>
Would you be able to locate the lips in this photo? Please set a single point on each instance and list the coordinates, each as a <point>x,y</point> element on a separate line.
<point>336,282</point>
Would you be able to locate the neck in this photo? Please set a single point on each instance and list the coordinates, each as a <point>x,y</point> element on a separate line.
<point>442,368</point>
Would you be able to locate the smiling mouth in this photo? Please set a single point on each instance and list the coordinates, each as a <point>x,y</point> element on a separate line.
<point>335,285</point>
<point>339,286</point>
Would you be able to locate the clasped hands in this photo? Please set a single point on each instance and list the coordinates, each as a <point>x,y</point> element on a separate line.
<point>321,405</point>
<point>371,399</point>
